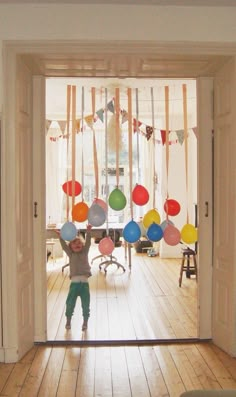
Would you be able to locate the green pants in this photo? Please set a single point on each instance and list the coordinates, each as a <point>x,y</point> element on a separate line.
<point>82,290</point>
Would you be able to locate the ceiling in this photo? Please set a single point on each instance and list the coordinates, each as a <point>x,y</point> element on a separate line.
<point>195,3</point>
<point>146,65</point>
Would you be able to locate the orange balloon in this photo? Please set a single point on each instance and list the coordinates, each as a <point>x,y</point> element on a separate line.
<point>80,212</point>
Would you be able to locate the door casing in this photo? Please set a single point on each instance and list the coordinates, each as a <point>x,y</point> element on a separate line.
<point>12,50</point>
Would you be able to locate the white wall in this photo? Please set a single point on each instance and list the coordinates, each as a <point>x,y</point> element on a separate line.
<point>115,22</point>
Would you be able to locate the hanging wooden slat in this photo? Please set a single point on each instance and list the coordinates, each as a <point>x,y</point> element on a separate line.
<point>95,158</point>
<point>130,132</point>
<point>68,110</point>
<point>185,112</point>
<point>117,113</point>
<point>154,150</point>
<point>73,143</point>
<point>167,137</point>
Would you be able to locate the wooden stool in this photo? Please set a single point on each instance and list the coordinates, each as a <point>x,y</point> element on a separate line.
<point>189,268</point>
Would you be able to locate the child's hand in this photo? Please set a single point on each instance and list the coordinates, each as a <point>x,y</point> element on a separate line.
<point>57,232</point>
<point>89,227</point>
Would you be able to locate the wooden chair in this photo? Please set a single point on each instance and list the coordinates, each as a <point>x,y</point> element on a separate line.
<point>188,264</point>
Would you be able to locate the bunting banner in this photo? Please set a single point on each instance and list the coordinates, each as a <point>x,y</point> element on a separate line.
<point>110,106</point>
<point>48,124</point>
<point>100,114</point>
<point>149,132</point>
<point>138,127</point>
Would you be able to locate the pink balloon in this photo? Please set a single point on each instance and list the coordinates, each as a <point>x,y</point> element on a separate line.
<point>172,235</point>
<point>101,203</point>
<point>106,246</point>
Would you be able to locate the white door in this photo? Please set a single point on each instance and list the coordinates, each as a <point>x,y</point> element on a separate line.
<point>17,212</point>
<point>224,269</point>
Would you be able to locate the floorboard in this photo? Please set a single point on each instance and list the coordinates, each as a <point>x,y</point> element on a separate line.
<point>144,303</point>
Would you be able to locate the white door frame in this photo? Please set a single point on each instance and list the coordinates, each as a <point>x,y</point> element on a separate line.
<point>30,47</point>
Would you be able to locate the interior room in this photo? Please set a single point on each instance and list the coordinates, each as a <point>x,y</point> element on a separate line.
<point>150,168</point>
<point>149,39</point>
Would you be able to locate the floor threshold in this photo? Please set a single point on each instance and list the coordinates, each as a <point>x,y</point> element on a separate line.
<point>140,342</point>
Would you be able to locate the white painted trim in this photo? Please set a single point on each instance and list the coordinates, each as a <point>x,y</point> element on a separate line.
<point>11,48</point>
<point>120,46</point>
<point>39,223</point>
<point>8,213</point>
<point>205,240</point>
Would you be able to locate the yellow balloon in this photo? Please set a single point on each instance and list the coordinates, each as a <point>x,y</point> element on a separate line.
<point>150,217</point>
<point>189,234</point>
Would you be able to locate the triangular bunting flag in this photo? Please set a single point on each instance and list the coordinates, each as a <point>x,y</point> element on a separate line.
<point>48,123</point>
<point>77,125</point>
<point>62,125</point>
<point>89,120</point>
<point>149,132</point>
<point>163,136</point>
<point>100,114</point>
<point>180,135</point>
<point>110,106</point>
<point>195,131</point>
<point>135,125</point>
<point>124,116</point>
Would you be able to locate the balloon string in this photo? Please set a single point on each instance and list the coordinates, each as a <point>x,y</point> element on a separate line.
<point>73,146</point>
<point>137,130</point>
<point>106,156</point>
<point>129,94</point>
<point>95,158</point>
<point>82,146</point>
<point>184,87</point>
<point>117,112</point>
<point>67,148</point>
<point>154,149</point>
<point>167,142</point>
<point>167,137</point>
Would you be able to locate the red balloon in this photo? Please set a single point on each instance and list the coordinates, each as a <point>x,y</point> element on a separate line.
<point>172,207</point>
<point>67,188</point>
<point>80,212</point>
<point>140,195</point>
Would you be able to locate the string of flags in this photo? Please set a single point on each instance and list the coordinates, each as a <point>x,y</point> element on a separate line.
<point>138,127</point>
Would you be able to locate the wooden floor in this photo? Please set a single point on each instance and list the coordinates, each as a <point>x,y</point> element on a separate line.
<point>145,303</point>
<point>144,371</point>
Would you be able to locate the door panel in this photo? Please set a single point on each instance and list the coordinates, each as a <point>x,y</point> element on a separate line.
<point>224,288</point>
<point>24,241</point>
<point>205,238</point>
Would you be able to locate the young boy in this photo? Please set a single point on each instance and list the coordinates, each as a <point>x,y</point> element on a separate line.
<point>80,270</point>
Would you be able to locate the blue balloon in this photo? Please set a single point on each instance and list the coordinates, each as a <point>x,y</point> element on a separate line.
<point>96,215</point>
<point>68,231</point>
<point>132,232</point>
<point>154,232</point>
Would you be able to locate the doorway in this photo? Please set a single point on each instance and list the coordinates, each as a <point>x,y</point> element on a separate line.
<point>149,101</point>
<point>28,52</point>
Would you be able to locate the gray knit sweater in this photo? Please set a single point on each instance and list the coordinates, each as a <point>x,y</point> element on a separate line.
<point>78,261</point>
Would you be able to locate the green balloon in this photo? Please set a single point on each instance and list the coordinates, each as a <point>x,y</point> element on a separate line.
<point>117,200</point>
